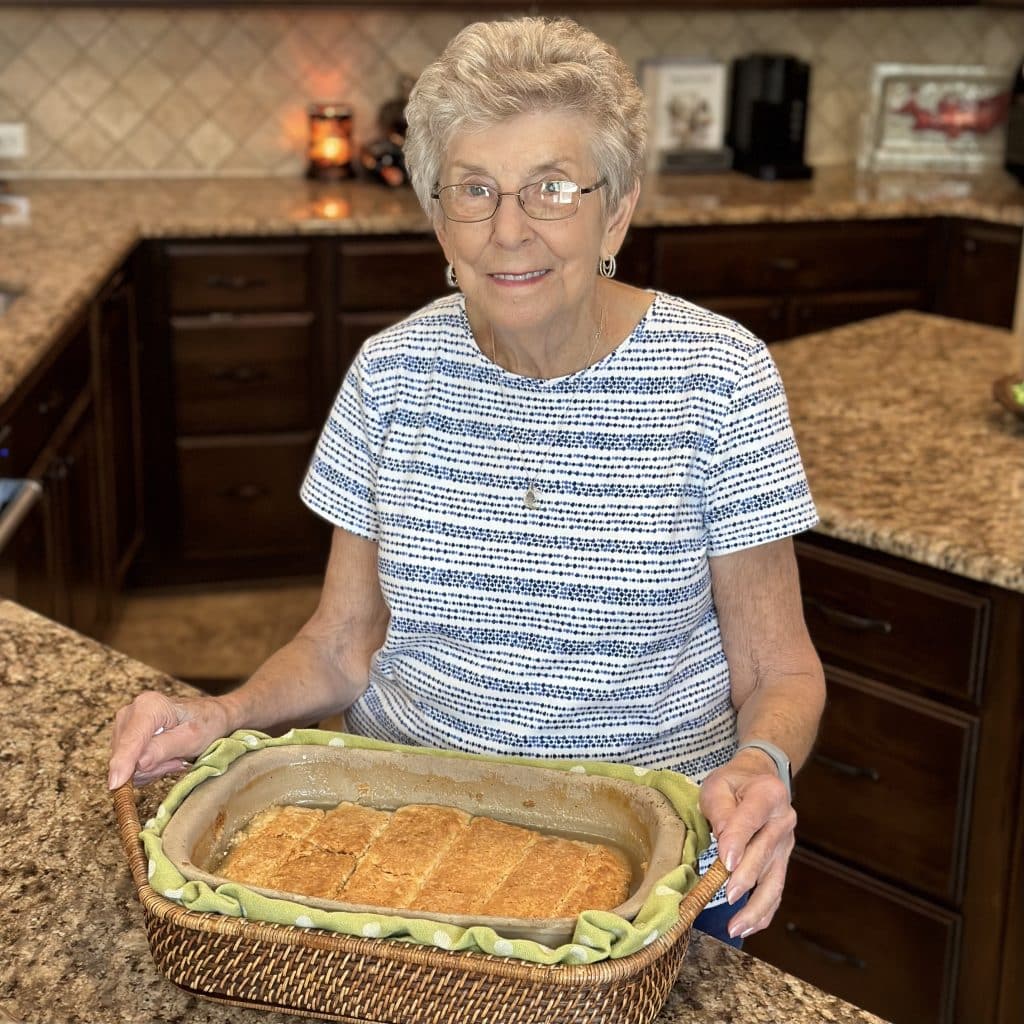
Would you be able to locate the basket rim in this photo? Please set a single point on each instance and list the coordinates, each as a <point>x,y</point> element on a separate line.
<point>160,907</point>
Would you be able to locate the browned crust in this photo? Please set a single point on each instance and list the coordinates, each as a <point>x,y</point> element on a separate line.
<point>426,857</point>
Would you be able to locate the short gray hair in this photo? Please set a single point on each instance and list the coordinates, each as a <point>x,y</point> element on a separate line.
<point>494,70</point>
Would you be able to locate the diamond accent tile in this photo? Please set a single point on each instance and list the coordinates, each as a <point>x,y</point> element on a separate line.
<point>51,51</point>
<point>85,83</point>
<point>20,83</point>
<point>176,91</point>
<point>146,83</point>
<point>207,83</point>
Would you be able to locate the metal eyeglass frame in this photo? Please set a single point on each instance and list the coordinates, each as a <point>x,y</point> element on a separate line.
<point>580,193</point>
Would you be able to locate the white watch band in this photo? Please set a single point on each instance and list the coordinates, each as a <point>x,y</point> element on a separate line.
<point>782,765</point>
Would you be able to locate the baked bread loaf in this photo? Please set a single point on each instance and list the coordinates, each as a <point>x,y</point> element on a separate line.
<point>426,857</point>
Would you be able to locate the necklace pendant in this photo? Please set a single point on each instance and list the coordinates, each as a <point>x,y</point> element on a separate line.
<point>531,499</point>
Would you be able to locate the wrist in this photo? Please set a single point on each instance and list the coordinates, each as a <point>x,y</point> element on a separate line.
<point>775,758</point>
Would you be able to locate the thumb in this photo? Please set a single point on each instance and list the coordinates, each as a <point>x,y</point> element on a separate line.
<point>718,801</point>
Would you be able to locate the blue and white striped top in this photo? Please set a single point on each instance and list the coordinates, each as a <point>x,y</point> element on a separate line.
<point>585,627</point>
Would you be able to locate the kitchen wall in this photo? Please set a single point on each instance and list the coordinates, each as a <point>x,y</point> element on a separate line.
<point>107,91</point>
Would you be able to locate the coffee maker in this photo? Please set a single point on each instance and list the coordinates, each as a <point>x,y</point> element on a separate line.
<point>768,116</point>
<point>1014,161</point>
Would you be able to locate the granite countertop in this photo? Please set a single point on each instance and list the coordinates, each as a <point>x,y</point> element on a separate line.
<point>75,947</point>
<point>80,231</point>
<point>905,448</point>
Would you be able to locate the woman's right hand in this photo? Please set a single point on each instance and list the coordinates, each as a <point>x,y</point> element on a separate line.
<point>155,735</point>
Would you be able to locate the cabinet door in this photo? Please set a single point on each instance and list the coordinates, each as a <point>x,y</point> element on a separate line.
<point>243,374</point>
<point>981,266</point>
<point>896,626</point>
<point>390,274</point>
<point>88,595</point>
<point>240,497</point>
<point>866,942</point>
<point>239,277</point>
<point>833,309</point>
<point>792,258</point>
<point>120,424</point>
<point>888,785</point>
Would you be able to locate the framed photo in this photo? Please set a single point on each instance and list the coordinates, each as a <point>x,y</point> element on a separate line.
<point>935,116</point>
<point>686,101</point>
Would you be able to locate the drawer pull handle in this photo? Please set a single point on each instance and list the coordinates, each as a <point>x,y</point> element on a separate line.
<point>234,282</point>
<point>246,492</point>
<point>853,771</point>
<point>784,263</point>
<point>834,955</point>
<point>847,620</point>
<point>240,374</point>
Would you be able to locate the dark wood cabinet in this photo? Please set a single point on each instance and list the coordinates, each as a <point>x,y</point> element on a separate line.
<point>378,282</point>
<point>901,888</point>
<point>978,280</point>
<point>235,373</point>
<point>118,409</point>
<point>51,437</point>
<point>787,279</point>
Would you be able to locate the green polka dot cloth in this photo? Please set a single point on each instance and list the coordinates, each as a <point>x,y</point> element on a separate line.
<point>598,935</point>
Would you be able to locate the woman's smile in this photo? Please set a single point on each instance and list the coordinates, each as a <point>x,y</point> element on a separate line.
<point>526,277</point>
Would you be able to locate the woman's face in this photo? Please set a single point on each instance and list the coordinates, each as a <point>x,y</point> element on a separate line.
<point>516,272</point>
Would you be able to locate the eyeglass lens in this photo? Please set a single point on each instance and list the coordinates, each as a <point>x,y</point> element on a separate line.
<point>542,200</point>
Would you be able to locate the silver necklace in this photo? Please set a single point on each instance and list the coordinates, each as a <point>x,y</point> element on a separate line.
<point>532,496</point>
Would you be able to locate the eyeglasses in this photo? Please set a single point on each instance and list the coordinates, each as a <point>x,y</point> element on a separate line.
<point>542,200</point>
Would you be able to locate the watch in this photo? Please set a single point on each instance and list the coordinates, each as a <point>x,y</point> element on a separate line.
<point>782,765</point>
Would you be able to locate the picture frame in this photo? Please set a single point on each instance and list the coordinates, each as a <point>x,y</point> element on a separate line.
<point>935,117</point>
<point>687,110</point>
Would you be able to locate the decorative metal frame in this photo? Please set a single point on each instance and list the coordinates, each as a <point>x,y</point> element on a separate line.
<point>920,118</point>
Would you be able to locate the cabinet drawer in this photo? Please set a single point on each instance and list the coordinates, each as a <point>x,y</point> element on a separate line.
<point>792,258</point>
<point>240,496</point>
<point>888,784</point>
<point>243,374</point>
<point>401,274</point>
<point>238,278</point>
<point>28,429</point>
<point>865,942</point>
<point>822,312</point>
<point>899,627</point>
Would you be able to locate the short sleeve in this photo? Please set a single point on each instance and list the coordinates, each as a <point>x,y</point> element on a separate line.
<point>341,482</point>
<point>757,489</point>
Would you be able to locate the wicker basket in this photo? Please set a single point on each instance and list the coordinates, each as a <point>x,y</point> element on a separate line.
<point>348,978</point>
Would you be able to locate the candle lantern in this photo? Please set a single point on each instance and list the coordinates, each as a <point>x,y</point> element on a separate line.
<point>330,142</point>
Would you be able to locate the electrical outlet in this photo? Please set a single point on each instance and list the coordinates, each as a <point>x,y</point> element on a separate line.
<point>13,140</point>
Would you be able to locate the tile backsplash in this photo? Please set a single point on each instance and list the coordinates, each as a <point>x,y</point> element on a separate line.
<point>185,91</point>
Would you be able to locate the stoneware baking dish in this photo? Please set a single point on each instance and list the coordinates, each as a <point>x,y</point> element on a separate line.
<point>637,819</point>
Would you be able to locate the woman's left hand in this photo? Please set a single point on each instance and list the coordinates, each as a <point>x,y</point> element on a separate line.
<point>749,811</point>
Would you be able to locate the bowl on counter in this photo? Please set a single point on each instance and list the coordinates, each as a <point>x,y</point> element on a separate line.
<point>1009,393</point>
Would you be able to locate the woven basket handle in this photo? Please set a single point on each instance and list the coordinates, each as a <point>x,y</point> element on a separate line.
<point>129,827</point>
<point>697,898</point>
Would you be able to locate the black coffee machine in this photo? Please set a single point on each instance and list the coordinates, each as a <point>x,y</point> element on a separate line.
<point>768,116</point>
<point>1015,127</point>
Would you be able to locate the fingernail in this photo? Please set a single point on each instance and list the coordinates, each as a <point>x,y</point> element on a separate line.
<point>733,930</point>
<point>730,859</point>
<point>747,933</point>
<point>731,896</point>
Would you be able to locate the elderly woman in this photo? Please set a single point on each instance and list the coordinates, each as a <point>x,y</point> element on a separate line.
<point>562,505</point>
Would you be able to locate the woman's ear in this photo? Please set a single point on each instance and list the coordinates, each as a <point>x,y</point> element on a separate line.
<point>618,222</point>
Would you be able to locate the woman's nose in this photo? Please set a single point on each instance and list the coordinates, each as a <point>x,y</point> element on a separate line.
<point>510,225</point>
